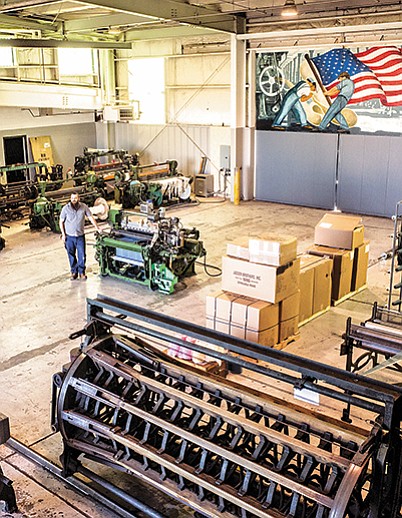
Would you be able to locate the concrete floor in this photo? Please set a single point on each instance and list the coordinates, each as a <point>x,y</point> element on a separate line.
<point>41,307</point>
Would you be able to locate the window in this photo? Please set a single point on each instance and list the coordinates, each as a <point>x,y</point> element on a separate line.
<point>147,85</point>
<point>75,62</point>
<point>6,57</point>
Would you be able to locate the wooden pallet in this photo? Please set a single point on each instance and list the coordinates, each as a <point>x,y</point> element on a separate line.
<point>313,317</point>
<point>348,296</point>
<point>287,341</point>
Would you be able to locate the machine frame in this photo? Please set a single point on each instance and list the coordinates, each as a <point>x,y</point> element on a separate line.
<point>369,470</point>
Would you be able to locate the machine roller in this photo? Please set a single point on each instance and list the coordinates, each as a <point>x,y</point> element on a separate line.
<point>218,445</point>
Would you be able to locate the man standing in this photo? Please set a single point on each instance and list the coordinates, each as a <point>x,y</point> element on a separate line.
<point>344,89</point>
<point>72,220</point>
<point>292,104</point>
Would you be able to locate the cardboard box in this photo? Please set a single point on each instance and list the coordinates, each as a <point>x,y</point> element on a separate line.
<point>262,315</point>
<point>224,306</point>
<point>339,231</point>
<point>268,337</point>
<point>360,265</point>
<point>238,331</point>
<point>268,283</point>
<point>210,308</point>
<point>315,285</point>
<point>272,249</point>
<point>288,328</point>
<point>322,284</point>
<point>239,310</point>
<point>342,266</point>
<point>238,249</point>
<point>289,307</point>
<point>306,286</point>
<point>210,323</point>
<point>222,327</point>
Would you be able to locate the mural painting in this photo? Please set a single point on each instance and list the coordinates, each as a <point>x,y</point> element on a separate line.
<point>337,91</point>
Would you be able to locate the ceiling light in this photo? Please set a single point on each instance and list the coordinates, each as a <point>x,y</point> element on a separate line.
<point>114,30</point>
<point>289,9</point>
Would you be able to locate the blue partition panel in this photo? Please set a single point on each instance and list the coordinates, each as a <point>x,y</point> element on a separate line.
<point>296,168</point>
<point>370,174</point>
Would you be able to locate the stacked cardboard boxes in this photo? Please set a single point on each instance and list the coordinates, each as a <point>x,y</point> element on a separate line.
<point>267,290</point>
<point>260,295</point>
<point>341,239</point>
<point>315,285</point>
<point>243,317</point>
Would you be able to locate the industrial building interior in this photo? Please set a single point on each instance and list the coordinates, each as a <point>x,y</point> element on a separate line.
<point>233,347</point>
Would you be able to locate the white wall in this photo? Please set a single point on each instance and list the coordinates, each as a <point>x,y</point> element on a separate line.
<point>197,104</point>
<point>69,133</point>
<point>157,143</point>
<point>198,89</point>
<point>18,118</point>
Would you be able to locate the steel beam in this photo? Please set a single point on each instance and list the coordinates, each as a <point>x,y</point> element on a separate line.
<point>44,43</point>
<point>95,22</point>
<point>15,22</point>
<point>177,11</point>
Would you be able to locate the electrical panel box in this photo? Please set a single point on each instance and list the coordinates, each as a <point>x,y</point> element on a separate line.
<point>224,162</point>
<point>204,185</point>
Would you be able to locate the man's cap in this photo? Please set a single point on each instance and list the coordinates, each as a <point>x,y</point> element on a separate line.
<point>312,81</point>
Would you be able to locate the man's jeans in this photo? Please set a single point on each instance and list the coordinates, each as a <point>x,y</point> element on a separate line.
<point>75,246</point>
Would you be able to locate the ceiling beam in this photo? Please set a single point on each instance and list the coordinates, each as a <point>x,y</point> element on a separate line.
<point>335,30</point>
<point>177,11</point>
<point>21,23</point>
<point>158,33</point>
<point>11,5</point>
<point>20,42</point>
<point>112,20</point>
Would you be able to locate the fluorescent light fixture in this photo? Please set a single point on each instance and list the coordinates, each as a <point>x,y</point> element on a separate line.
<point>289,9</point>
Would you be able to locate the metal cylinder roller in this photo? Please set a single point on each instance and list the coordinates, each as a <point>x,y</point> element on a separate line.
<point>222,452</point>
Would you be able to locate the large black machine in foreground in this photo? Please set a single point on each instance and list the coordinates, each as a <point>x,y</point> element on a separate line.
<point>148,248</point>
<point>224,448</point>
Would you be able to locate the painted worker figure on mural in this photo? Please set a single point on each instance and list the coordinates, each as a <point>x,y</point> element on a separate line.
<point>292,105</point>
<point>345,89</point>
<point>72,221</point>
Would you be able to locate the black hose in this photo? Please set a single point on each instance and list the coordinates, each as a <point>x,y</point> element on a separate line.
<point>213,267</point>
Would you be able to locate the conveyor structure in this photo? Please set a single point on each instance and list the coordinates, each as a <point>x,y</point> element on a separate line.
<point>226,447</point>
<point>148,248</point>
<point>375,344</point>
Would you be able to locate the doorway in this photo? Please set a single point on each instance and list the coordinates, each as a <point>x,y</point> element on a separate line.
<point>16,152</point>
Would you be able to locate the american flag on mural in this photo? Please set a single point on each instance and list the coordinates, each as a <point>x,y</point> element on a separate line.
<point>376,73</point>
